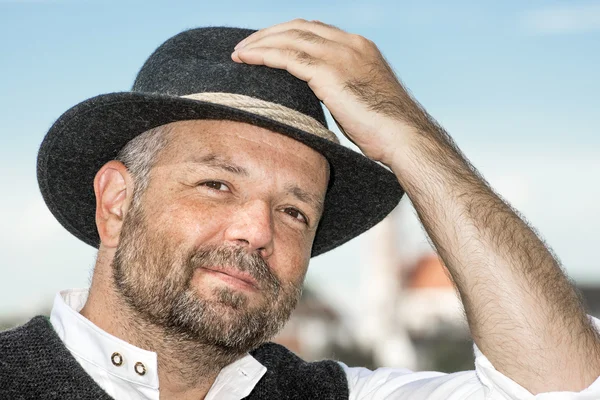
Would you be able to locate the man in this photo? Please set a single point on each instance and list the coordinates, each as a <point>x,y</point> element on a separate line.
<point>207,189</point>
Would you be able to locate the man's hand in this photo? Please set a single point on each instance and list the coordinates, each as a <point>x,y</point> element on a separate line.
<point>347,73</point>
<point>522,310</point>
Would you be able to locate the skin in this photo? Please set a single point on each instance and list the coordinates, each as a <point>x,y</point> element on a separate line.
<point>193,204</point>
<point>523,312</point>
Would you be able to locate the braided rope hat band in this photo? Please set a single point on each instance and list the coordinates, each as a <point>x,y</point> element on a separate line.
<point>264,108</point>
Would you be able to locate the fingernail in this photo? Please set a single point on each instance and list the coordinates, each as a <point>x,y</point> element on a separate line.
<point>240,44</point>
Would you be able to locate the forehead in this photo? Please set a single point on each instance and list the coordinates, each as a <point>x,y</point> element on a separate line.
<point>254,146</point>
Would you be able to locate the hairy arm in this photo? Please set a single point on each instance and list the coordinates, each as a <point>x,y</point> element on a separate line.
<point>523,312</point>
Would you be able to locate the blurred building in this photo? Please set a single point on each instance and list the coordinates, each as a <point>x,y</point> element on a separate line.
<point>317,331</point>
<point>314,328</point>
<point>428,303</point>
<point>414,315</point>
<point>414,312</point>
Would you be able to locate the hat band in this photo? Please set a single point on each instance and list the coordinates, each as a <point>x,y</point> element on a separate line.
<point>274,111</point>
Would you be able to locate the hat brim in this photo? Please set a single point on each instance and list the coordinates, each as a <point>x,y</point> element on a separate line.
<point>360,194</point>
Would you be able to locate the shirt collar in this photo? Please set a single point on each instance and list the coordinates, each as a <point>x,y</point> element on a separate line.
<point>96,346</point>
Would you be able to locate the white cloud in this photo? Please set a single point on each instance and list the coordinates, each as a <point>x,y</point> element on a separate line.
<point>565,19</point>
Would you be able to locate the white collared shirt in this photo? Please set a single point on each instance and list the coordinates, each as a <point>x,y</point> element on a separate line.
<point>93,348</point>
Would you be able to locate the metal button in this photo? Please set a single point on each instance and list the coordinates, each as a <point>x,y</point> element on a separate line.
<point>116,359</point>
<point>140,369</point>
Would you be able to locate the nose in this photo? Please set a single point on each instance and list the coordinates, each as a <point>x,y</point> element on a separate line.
<point>251,227</point>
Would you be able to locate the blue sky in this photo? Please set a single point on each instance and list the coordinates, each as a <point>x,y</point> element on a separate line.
<point>514,82</point>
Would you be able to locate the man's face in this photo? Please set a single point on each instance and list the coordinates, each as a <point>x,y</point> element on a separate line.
<point>219,245</point>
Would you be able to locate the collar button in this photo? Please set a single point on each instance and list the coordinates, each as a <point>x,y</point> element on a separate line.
<point>117,359</point>
<point>140,368</point>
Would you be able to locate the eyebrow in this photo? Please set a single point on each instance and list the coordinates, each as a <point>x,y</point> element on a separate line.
<point>219,162</point>
<point>306,197</point>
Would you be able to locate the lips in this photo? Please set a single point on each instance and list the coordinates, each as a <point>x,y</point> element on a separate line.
<point>237,274</point>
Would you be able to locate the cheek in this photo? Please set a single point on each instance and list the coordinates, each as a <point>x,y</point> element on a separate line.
<point>290,262</point>
<point>192,221</point>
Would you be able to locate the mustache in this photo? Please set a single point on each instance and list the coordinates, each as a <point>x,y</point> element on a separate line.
<point>239,259</point>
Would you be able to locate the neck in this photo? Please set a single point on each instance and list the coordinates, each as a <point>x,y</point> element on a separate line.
<point>186,368</point>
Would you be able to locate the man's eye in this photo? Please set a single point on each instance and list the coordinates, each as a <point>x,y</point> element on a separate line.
<point>296,214</point>
<point>220,186</point>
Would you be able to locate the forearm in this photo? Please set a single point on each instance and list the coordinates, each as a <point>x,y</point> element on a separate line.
<point>523,312</point>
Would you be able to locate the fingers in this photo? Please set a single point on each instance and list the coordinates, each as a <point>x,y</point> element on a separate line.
<point>319,54</point>
<point>298,63</point>
<point>299,40</point>
<point>329,32</point>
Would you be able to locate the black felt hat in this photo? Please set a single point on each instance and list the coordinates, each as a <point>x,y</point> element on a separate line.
<point>191,76</point>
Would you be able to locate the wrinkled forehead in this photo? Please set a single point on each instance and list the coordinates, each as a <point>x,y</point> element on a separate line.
<point>222,139</point>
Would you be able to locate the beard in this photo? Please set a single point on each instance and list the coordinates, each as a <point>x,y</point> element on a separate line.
<point>154,277</point>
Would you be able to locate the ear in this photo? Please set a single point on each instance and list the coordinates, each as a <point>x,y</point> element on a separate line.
<point>113,187</point>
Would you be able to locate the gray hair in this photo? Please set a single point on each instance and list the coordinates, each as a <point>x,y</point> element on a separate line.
<point>139,156</point>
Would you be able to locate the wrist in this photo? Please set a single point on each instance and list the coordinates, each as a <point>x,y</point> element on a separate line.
<point>424,153</point>
<point>402,136</point>
<point>407,148</point>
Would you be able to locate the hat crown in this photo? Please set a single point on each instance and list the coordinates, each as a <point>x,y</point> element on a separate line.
<point>199,60</point>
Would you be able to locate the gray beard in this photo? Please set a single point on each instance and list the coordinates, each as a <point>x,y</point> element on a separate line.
<point>154,280</point>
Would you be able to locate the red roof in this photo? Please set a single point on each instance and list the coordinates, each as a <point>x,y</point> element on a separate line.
<point>428,272</point>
